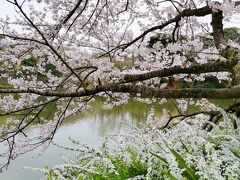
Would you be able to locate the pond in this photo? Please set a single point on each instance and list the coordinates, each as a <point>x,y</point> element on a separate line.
<point>89,127</point>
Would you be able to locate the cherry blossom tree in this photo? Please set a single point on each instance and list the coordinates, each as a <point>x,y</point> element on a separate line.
<point>67,52</point>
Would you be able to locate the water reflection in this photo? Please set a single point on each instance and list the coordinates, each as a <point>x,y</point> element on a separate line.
<point>102,121</point>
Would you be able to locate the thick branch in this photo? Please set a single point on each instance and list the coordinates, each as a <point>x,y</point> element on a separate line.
<point>223,93</point>
<point>206,10</point>
<point>217,25</point>
<point>195,69</point>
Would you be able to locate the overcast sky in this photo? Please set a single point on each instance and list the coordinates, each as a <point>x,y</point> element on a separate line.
<point>8,9</point>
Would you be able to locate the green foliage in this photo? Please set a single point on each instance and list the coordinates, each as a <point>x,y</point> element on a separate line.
<point>132,169</point>
<point>188,172</point>
<point>232,33</point>
<point>49,111</point>
<point>49,67</point>
<point>165,39</point>
<point>32,61</point>
<point>209,82</point>
<point>123,170</point>
<point>127,63</point>
<point>53,70</point>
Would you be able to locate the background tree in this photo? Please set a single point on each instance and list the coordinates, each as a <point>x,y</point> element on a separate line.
<point>66,52</point>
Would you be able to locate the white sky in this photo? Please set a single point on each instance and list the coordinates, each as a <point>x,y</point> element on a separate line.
<point>7,8</point>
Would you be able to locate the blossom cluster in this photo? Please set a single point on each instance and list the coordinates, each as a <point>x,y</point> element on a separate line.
<point>184,150</point>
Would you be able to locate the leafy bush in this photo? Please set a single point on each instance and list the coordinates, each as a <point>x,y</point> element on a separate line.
<point>184,151</point>
<point>53,69</point>
<point>29,62</point>
<point>32,61</point>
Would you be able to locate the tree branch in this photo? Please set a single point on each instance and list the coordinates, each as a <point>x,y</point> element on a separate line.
<point>222,93</point>
<point>217,25</point>
<point>206,10</point>
<point>194,69</point>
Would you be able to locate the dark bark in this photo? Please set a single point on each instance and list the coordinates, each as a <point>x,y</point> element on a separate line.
<point>206,10</point>
<point>217,25</point>
<point>222,93</point>
<point>195,69</point>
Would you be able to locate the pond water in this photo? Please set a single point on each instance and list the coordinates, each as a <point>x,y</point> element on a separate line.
<point>89,127</point>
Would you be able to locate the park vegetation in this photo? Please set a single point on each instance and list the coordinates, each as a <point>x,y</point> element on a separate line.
<point>70,52</point>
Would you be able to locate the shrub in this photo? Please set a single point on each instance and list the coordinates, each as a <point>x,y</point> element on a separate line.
<point>183,151</point>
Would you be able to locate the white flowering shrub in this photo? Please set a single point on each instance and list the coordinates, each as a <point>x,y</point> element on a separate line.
<point>183,151</point>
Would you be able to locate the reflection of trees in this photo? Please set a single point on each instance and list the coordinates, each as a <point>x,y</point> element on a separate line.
<point>105,120</point>
<point>133,113</point>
